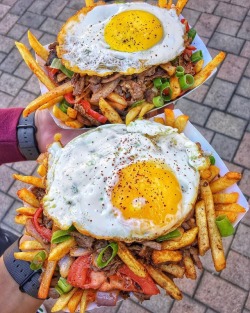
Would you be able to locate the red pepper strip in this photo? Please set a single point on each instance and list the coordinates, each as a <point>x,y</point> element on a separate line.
<point>79,271</point>
<point>52,72</point>
<point>147,285</point>
<point>42,230</point>
<point>188,52</point>
<point>100,118</point>
<point>192,48</point>
<point>185,22</point>
<point>69,98</point>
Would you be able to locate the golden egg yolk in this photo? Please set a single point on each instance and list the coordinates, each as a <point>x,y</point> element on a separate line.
<point>147,190</point>
<point>133,31</point>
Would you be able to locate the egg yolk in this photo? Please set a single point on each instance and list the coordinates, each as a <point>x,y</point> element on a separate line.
<point>147,190</point>
<point>133,31</point>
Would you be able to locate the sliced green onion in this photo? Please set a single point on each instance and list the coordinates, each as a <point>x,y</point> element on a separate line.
<point>186,81</point>
<point>59,290</point>
<point>165,88</point>
<point>224,226</point>
<point>64,285</point>
<point>157,82</point>
<point>179,71</point>
<point>137,103</point>
<point>61,235</point>
<point>57,63</point>
<point>212,159</point>
<point>63,106</point>
<point>173,234</point>
<point>197,56</point>
<point>99,260</point>
<point>158,101</point>
<point>38,260</point>
<point>192,33</point>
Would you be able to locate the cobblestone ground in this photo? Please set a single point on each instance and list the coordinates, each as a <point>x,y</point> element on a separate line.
<point>220,109</point>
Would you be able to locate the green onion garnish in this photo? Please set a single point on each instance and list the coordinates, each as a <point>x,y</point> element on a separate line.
<point>137,103</point>
<point>179,71</point>
<point>59,290</point>
<point>64,286</point>
<point>158,101</point>
<point>192,33</point>
<point>157,82</point>
<point>38,260</point>
<point>224,226</point>
<point>212,159</point>
<point>186,81</point>
<point>99,260</point>
<point>62,235</point>
<point>64,105</point>
<point>197,56</point>
<point>57,63</point>
<point>173,234</point>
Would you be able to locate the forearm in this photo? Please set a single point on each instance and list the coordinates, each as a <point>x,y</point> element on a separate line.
<point>11,298</point>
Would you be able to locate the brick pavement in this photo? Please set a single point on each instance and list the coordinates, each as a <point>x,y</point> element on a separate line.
<point>220,109</point>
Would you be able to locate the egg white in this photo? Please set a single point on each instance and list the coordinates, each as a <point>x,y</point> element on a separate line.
<point>81,175</point>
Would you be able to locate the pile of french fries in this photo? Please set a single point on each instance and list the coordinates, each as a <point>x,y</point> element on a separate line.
<point>114,103</point>
<point>176,258</point>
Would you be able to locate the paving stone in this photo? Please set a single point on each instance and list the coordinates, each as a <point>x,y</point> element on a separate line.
<point>18,232</point>
<point>5,100</point>
<point>207,133</point>
<point>38,6</point>
<point>9,218</point>
<point>10,84</point>
<point>244,3</point>
<point>6,44</point>
<point>247,71</point>
<point>17,31</point>
<point>220,295</point>
<point>51,26</point>
<point>26,167</point>
<point>233,12</point>
<point>188,286</point>
<point>198,94</point>
<point>187,305</point>
<point>191,16</point>
<point>244,87</point>
<point>11,62</point>
<point>6,177</point>
<point>206,24</point>
<point>240,106</point>
<point>219,94</point>
<point>210,311</point>
<point>159,303</point>
<point>205,40</point>
<point>246,218</point>
<point>3,10</point>
<point>245,183</point>
<point>248,127</point>
<point>210,80</point>
<point>6,203</point>
<point>23,71</point>
<point>31,19</point>
<point>21,6</point>
<point>244,31</point>
<point>241,242</point>
<point>23,99</point>
<point>32,85</point>
<point>228,27</point>
<point>7,23</point>
<point>75,4</point>
<point>202,6</point>
<point>66,13</point>
<point>226,43</point>
<point>247,305</point>
<point>2,56</point>
<point>197,113</point>
<point>237,270</point>
<point>226,124</point>
<point>105,310</point>
<point>245,52</point>
<point>129,306</point>
<point>25,40</point>
<point>54,8</point>
<point>233,167</point>
<point>9,2</point>
<point>232,68</point>
<point>224,146</point>
<point>47,39</point>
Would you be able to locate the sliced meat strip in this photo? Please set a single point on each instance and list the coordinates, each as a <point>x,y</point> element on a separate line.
<point>79,86</point>
<point>104,91</point>
<point>136,89</point>
<point>95,80</point>
<point>82,240</point>
<point>80,109</point>
<point>110,78</point>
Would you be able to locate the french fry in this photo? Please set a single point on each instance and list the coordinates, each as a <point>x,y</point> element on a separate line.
<point>32,180</point>
<point>232,216</point>
<point>146,107</point>
<point>52,94</point>
<point>75,300</point>
<point>83,303</point>
<point>225,197</point>
<point>71,112</point>
<point>127,257</point>
<point>162,3</point>
<point>34,66</point>
<point>181,122</point>
<point>116,105</point>
<point>198,66</point>
<point>42,157</point>
<point>50,103</point>
<point>159,120</point>
<point>63,300</point>
<point>175,87</point>
<point>169,4</point>
<point>26,210</point>
<point>30,245</point>
<point>187,239</point>
<point>190,271</point>
<point>58,137</point>
<point>37,47</point>
<point>161,256</point>
<point>61,115</point>
<point>224,182</point>
<point>89,3</point>
<point>169,117</point>
<point>205,174</point>
<point>165,282</point>
<point>201,221</point>
<point>41,170</point>
<point>213,232</point>
<point>22,219</point>
<point>133,113</point>
<point>173,269</point>
<point>74,124</point>
<point>117,98</point>
<point>61,249</point>
<point>214,172</point>
<point>200,77</point>
<point>27,196</point>
<point>180,6</point>
<point>231,207</point>
<point>109,112</point>
<point>169,68</point>
<point>26,256</point>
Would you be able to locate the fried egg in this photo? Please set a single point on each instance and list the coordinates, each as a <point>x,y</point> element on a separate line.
<point>120,182</point>
<point>120,37</point>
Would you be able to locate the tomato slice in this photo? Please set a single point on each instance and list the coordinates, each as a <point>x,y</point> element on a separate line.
<point>119,282</point>
<point>192,48</point>
<point>97,116</point>
<point>147,284</point>
<point>42,230</point>
<point>79,271</point>
<point>69,98</point>
<point>185,22</point>
<point>52,72</point>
